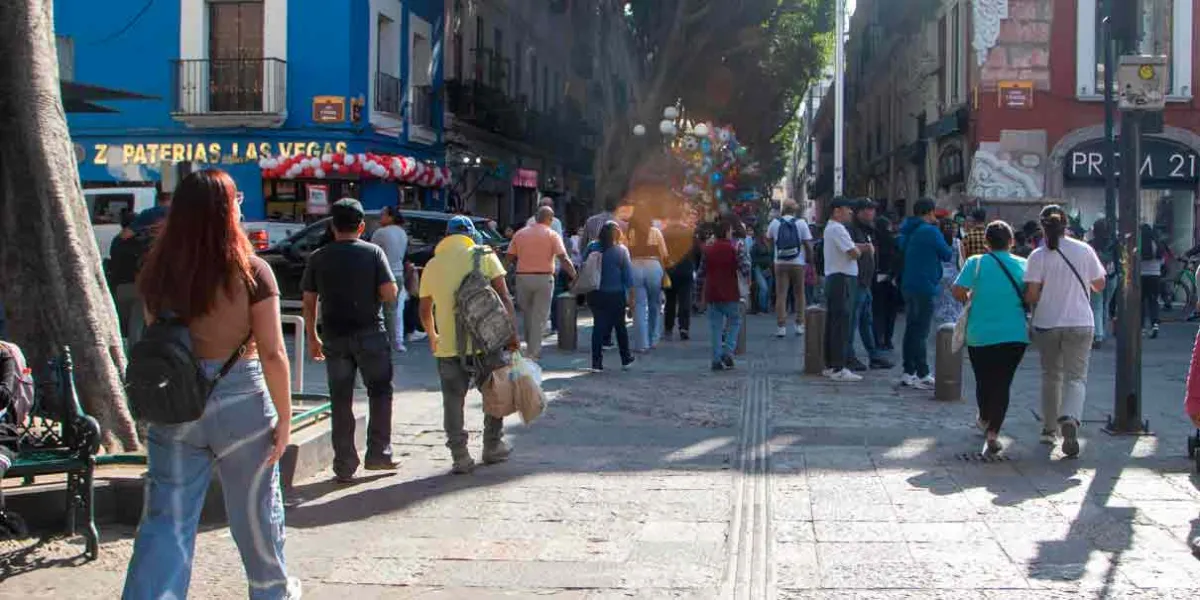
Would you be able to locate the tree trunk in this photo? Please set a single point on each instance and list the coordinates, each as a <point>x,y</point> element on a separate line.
<point>51,281</point>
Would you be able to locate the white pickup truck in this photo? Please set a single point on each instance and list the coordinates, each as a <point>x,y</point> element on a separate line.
<point>105,206</point>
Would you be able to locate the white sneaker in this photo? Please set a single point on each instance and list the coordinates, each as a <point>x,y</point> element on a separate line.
<point>295,591</point>
<point>828,373</point>
<point>925,383</point>
<point>401,348</point>
<point>846,375</point>
<point>799,330</point>
<point>908,380</point>
<point>781,332</point>
<point>929,380</point>
<point>417,336</point>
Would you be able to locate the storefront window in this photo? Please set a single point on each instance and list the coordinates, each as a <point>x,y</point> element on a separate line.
<point>287,200</point>
<point>1146,33</point>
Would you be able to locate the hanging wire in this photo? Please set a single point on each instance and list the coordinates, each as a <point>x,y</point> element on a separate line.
<point>118,33</point>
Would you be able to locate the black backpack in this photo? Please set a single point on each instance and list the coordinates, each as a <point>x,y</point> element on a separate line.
<point>165,383</point>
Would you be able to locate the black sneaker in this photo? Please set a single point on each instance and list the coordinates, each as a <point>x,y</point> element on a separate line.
<point>856,365</point>
<point>881,364</point>
<point>683,335</point>
<point>597,366</point>
<point>626,363</point>
<point>727,360</point>
<point>718,365</point>
<point>381,464</point>
<point>343,477</point>
<point>1070,434</point>
<point>1154,332</point>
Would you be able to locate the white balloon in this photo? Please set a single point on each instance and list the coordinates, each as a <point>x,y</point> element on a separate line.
<point>639,130</point>
<point>319,173</point>
<point>362,158</point>
<point>272,163</point>
<point>326,158</point>
<point>702,130</point>
<point>350,158</point>
<point>262,163</point>
<point>666,127</point>
<point>671,113</point>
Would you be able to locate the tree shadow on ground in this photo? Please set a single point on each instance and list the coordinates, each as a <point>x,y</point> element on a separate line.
<point>32,556</point>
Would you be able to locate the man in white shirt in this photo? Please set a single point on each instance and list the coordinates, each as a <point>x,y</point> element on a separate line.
<point>791,240</point>
<point>393,239</point>
<point>1059,280</point>
<point>556,225</point>
<point>841,280</point>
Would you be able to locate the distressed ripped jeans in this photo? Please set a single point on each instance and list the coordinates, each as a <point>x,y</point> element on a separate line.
<point>234,436</point>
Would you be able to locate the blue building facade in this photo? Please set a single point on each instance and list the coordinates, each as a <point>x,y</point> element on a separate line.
<point>245,84</point>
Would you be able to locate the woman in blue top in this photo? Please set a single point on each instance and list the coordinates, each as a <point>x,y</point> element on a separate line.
<point>996,332</point>
<point>608,302</point>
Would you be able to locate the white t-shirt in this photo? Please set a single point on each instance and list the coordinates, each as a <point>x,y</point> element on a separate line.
<point>837,245</point>
<point>394,242</point>
<point>556,225</point>
<point>1064,302</point>
<point>801,228</point>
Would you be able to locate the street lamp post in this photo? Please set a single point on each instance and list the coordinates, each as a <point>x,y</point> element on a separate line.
<point>839,99</point>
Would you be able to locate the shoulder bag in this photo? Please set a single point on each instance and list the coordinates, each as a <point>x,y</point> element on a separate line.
<point>960,326</point>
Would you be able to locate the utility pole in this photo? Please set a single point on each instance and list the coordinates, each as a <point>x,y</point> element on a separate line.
<point>1143,81</point>
<point>839,100</point>
<point>1110,147</point>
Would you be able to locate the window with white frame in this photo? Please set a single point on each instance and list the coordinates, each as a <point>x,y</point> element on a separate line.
<point>420,92</point>
<point>1153,27</point>
<point>386,81</point>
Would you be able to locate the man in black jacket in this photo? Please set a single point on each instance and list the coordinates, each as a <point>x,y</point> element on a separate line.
<point>885,291</point>
<point>862,231</point>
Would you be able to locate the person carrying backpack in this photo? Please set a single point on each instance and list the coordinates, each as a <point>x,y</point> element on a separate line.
<point>791,239</point>
<point>16,398</point>
<point>466,310</point>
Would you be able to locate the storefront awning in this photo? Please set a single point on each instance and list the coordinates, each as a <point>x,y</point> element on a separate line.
<point>82,98</point>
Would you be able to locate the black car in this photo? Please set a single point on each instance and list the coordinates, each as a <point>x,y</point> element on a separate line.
<point>425,229</point>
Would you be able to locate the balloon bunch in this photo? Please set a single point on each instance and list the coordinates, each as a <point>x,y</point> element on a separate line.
<point>384,167</point>
<point>713,162</point>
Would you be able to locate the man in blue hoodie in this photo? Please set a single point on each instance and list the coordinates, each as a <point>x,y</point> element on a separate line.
<point>924,250</point>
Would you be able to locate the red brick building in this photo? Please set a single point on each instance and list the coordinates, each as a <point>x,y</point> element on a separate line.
<point>1000,102</point>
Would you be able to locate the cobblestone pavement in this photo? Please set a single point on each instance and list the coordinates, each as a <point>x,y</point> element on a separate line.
<point>673,482</point>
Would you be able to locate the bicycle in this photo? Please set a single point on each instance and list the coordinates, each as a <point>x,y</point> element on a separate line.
<point>1182,287</point>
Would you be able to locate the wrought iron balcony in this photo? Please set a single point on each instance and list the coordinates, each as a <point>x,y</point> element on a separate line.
<point>422,106</point>
<point>226,92</point>
<point>389,94</point>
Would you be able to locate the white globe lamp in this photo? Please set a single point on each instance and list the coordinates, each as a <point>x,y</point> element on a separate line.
<point>639,130</point>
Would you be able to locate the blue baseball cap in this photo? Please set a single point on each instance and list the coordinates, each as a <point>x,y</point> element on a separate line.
<point>461,225</point>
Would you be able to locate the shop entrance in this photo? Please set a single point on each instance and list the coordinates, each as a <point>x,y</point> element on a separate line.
<point>287,201</point>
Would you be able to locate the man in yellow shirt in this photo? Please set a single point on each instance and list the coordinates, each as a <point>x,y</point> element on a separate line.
<point>452,261</point>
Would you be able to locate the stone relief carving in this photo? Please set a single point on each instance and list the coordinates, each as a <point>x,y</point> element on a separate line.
<point>987,15</point>
<point>994,177</point>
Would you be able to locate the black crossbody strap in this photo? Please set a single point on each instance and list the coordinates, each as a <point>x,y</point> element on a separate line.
<point>1016,287</point>
<point>1087,294</point>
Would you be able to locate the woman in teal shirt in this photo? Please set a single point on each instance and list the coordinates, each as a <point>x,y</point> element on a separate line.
<point>996,332</point>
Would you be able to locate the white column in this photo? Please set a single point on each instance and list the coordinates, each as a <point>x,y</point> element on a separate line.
<point>839,100</point>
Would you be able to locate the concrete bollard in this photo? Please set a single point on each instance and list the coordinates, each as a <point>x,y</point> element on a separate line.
<point>947,366</point>
<point>814,339</point>
<point>568,313</point>
<point>741,341</point>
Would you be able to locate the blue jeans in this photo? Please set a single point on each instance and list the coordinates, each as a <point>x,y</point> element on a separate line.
<point>608,310</point>
<point>724,319</point>
<point>918,318</point>
<point>647,302</point>
<point>762,280</point>
<point>235,436</point>
<point>862,319</point>
<point>370,354</point>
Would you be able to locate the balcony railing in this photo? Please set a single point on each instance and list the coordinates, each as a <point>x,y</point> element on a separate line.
<point>422,106</point>
<point>229,86</point>
<point>389,93</point>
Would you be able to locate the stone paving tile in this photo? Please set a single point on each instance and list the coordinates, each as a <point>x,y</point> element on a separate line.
<point>796,565</point>
<point>858,531</point>
<point>785,532</point>
<point>682,531</point>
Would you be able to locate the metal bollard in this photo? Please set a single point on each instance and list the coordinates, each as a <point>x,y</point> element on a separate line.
<point>814,339</point>
<point>741,341</point>
<point>947,366</point>
<point>568,313</point>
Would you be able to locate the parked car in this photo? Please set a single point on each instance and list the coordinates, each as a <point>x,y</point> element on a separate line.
<point>425,229</point>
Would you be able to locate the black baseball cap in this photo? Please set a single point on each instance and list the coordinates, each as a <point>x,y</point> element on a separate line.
<point>841,202</point>
<point>347,214</point>
<point>864,204</point>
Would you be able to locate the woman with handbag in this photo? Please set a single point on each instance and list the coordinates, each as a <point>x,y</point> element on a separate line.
<point>608,300</point>
<point>1059,280</point>
<point>204,271</point>
<point>996,330</point>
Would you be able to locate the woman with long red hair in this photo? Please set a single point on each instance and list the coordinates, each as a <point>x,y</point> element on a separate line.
<point>202,269</point>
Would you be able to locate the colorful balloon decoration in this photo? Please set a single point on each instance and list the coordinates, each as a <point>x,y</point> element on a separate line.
<point>711,162</point>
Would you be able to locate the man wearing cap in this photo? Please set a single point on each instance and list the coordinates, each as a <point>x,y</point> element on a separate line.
<point>862,231</point>
<point>453,259</point>
<point>537,251</point>
<point>352,280</point>
<point>841,279</point>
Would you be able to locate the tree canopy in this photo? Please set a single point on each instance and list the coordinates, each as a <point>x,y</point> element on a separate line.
<point>746,64</point>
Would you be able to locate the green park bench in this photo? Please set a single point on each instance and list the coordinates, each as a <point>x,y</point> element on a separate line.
<point>58,437</point>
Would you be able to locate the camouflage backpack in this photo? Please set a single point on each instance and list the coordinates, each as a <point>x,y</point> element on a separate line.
<point>481,320</point>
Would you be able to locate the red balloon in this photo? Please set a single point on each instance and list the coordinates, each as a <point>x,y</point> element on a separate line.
<point>307,172</point>
<point>356,168</point>
<point>337,158</point>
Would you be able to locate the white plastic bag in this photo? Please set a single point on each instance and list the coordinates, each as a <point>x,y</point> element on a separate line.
<point>528,396</point>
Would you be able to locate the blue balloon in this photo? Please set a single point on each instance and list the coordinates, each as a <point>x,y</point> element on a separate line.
<point>706,146</point>
<point>716,178</point>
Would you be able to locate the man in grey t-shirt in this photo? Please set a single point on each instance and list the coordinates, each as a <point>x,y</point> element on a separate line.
<point>393,240</point>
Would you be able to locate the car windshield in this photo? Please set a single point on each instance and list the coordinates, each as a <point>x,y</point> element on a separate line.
<point>489,235</point>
